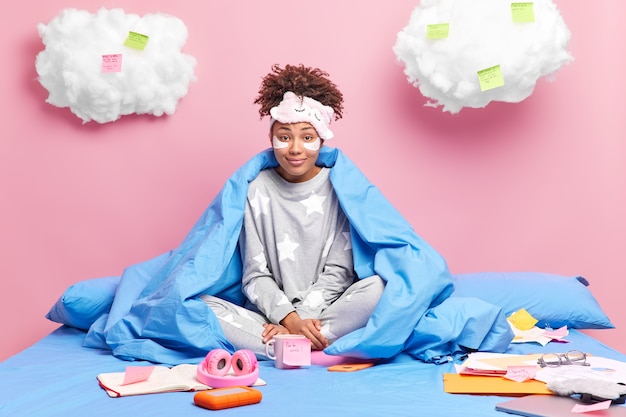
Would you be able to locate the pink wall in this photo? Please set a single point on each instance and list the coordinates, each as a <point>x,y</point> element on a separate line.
<point>534,186</point>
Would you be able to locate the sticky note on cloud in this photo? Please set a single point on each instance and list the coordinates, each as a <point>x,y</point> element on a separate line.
<point>136,40</point>
<point>154,77</point>
<point>490,78</point>
<point>111,63</point>
<point>437,31</point>
<point>481,36</point>
<point>523,12</point>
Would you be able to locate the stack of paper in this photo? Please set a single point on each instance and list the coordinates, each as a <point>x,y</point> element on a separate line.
<point>501,373</point>
<point>496,373</point>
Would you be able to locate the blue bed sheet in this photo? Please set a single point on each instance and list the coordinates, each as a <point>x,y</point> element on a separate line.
<point>57,377</point>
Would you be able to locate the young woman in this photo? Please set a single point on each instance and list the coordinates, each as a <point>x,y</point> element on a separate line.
<point>298,241</point>
<point>295,241</point>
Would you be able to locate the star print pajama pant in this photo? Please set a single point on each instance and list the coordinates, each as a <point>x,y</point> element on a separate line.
<point>243,327</point>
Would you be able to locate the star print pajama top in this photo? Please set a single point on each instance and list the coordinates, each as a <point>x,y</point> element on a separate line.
<point>296,246</point>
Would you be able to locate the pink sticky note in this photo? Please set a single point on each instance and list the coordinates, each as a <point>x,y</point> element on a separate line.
<point>520,373</point>
<point>112,63</point>
<point>297,352</point>
<point>583,408</point>
<point>136,374</point>
<point>557,334</point>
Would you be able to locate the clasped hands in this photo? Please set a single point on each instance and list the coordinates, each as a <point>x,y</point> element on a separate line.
<point>294,324</point>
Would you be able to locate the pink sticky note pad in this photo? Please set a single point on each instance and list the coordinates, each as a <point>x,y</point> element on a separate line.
<point>583,408</point>
<point>297,352</point>
<point>112,63</point>
<point>136,374</point>
<point>520,373</point>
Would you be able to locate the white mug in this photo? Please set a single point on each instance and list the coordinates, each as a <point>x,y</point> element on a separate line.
<point>290,351</point>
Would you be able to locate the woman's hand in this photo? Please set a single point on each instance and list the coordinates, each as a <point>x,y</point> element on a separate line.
<point>271,329</point>
<point>311,328</point>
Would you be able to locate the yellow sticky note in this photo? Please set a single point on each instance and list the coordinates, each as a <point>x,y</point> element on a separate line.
<point>437,31</point>
<point>490,78</point>
<point>523,12</point>
<point>136,40</point>
<point>522,319</point>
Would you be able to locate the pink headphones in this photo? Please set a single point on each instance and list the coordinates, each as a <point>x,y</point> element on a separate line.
<point>214,369</point>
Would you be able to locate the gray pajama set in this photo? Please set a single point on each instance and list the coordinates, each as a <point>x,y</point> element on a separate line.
<point>297,256</point>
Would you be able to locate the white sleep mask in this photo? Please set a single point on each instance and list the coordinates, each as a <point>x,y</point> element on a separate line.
<point>295,109</point>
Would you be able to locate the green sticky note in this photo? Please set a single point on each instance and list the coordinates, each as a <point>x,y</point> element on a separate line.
<point>136,40</point>
<point>523,12</point>
<point>437,31</point>
<point>490,78</point>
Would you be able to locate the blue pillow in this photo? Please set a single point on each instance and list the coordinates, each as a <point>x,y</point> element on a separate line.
<point>554,300</point>
<point>82,303</point>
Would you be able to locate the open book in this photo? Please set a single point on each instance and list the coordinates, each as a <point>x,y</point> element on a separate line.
<point>157,379</point>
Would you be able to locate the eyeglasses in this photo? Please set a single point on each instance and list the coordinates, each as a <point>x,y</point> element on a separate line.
<point>573,357</point>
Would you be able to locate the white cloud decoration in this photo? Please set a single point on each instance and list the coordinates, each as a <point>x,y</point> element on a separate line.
<point>462,53</point>
<point>110,64</point>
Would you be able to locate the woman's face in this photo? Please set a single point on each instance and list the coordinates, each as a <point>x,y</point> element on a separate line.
<point>296,147</point>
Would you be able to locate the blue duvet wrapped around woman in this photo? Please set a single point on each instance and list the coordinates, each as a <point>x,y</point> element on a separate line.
<point>157,314</point>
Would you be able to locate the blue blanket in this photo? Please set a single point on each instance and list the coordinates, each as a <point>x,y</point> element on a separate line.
<point>157,315</point>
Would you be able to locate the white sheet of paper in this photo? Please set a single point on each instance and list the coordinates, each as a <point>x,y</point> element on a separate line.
<point>601,368</point>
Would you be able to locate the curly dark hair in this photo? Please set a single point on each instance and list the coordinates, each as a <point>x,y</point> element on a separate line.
<point>301,80</point>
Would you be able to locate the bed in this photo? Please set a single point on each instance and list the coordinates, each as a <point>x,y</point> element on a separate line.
<point>57,375</point>
<point>426,320</point>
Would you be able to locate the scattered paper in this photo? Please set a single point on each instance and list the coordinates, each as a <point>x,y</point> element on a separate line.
<point>527,336</point>
<point>523,325</point>
<point>600,368</point>
<point>495,364</point>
